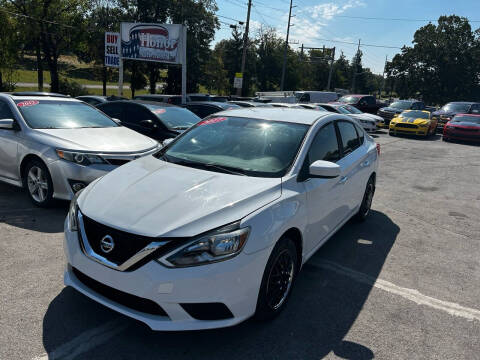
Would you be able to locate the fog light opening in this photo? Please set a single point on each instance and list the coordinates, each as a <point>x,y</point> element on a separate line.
<point>77,185</point>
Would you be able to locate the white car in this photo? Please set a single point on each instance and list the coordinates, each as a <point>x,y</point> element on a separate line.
<point>366,122</point>
<point>214,228</point>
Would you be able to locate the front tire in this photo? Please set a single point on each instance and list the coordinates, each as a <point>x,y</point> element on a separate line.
<point>367,201</point>
<point>38,182</point>
<point>278,279</point>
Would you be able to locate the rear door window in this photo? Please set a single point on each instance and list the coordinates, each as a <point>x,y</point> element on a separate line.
<point>114,110</point>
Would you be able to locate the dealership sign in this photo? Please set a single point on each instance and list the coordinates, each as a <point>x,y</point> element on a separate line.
<point>152,42</point>
<point>112,54</point>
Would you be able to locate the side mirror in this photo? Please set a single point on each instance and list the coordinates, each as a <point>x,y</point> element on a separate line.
<point>167,141</point>
<point>149,124</point>
<point>324,169</point>
<point>7,124</point>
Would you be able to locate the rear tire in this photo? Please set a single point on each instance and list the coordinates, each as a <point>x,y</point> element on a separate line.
<point>367,201</point>
<point>278,280</point>
<point>38,182</point>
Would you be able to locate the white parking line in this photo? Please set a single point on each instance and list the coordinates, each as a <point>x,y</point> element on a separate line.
<point>85,342</point>
<point>410,294</point>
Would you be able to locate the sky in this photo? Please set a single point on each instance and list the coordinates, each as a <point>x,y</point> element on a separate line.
<point>317,21</point>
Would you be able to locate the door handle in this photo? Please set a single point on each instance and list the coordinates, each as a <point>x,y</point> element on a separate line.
<point>365,163</point>
<point>343,180</point>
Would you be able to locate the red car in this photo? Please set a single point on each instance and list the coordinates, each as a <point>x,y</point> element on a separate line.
<point>462,127</point>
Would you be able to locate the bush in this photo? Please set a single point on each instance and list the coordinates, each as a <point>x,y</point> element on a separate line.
<point>69,87</point>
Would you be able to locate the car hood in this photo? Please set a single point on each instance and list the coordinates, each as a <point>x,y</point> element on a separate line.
<point>154,198</point>
<point>371,116</point>
<point>113,139</point>
<point>416,121</point>
<point>445,113</point>
<point>362,117</point>
<point>465,124</point>
<point>392,110</point>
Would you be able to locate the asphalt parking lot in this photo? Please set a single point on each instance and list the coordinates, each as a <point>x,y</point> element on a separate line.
<point>402,285</point>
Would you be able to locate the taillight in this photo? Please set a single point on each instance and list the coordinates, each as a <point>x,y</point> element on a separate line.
<point>378,149</point>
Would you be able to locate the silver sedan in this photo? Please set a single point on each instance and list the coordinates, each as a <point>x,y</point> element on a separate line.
<point>54,145</point>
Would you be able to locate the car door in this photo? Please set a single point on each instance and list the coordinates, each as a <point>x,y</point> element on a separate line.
<point>324,205</point>
<point>354,165</point>
<point>9,139</point>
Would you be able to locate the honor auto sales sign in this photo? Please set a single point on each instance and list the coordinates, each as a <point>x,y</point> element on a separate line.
<point>152,42</point>
<point>112,54</point>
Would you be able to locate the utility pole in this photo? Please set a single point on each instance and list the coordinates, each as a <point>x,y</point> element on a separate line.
<point>384,68</point>
<point>355,67</point>
<point>282,83</point>
<point>331,69</point>
<point>245,44</point>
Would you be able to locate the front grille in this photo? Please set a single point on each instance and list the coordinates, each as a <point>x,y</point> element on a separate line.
<point>125,244</point>
<point>118,162</point>
<point>131,301</point>
<point>406,125</point>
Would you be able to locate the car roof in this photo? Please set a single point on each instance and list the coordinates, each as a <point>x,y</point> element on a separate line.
<point>91,97</point>
<point>425,111</point>
<point>38,96</point>
<point>143,102</point>
<point>463,102</point>
<point>297,116</point>
<point>478,115</point>
<point>214,103</point>
<point>157,96</point>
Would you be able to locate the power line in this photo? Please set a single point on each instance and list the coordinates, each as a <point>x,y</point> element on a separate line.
<point>392,19</point>
<point>352,43</point>
<point>36,19</point>
<point>229,18</point>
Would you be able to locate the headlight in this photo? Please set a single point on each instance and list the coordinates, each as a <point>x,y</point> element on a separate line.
<point>73,213</point>
<point>217,246</point>
<point>80,158</point>
<point>449,127</point>
<point>423,125</point>
<point>392,122</point>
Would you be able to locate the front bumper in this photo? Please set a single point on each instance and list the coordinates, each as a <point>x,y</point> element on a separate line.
<point>408,131</point>
<point>461,135</point>
<point>370,126</point>
<point>234,283</point>
<point>64,172</point>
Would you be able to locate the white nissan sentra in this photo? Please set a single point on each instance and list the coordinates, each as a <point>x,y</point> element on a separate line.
<point>214,228</point>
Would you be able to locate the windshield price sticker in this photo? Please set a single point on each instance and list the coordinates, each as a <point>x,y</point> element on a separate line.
<point>159,111</point>
<point>28,103</point>
<point>212,121</point>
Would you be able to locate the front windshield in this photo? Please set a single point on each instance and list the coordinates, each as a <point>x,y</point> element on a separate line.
<point>349,99</point>
<point>470,119</point>
<point>244,146</point>
<point>174,117</point>
<point>58,114</point>
<point>456,107</point>
<point>415,114</point>
<point>401,105</point>
<point>352,109</point>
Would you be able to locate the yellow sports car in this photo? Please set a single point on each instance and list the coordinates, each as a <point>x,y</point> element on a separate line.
<point>413,122</point>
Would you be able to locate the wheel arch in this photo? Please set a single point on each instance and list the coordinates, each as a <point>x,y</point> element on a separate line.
<point>295,235</point>
<point>24,163</point>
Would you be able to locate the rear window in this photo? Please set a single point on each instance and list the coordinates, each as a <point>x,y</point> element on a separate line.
<point>57,114</point>
<point>176,118</point>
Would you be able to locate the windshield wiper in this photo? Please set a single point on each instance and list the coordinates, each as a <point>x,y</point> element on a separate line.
<point>206,166</point>
<point>180,127</point>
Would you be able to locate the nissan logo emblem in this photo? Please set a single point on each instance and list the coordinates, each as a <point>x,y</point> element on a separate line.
<point>107,244</point>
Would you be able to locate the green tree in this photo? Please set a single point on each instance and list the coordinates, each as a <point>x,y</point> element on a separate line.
<point>442,65</point>
<point>8,50</point>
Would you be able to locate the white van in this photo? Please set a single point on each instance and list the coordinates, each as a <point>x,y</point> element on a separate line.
<point>315,96</point>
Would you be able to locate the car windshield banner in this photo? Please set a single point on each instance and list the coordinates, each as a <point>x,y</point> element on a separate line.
<point>152,42</point>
